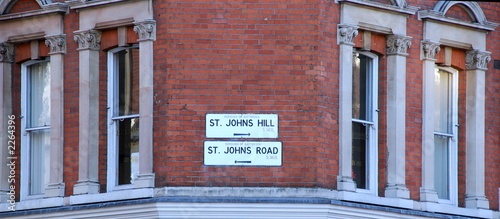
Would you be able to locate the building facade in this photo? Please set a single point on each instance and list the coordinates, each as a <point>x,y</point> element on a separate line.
<point>249,109</point>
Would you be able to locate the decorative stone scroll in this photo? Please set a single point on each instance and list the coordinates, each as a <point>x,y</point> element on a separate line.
<point>56,43</point>
<point>89,39</point>
<point>146,30</point>
<point>6,52</point>
<point>430,49</point>
<point>398,44</point>
<point>347,34</point>
<point>477,59</point>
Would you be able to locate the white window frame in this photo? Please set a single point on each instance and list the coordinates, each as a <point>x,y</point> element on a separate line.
<point>25,139</point>
<point>112,182</point>
<point>453,141</point>
<point>372,147</point>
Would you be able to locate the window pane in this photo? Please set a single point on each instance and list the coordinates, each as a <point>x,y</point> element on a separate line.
<point>39,94</point>
<point>128,81</point>
<point>442,169</point>
<point>128,150</point>
<point>359,152</point>
<point>442,101</point>
<point>361,87</point>
<point>39,160</point>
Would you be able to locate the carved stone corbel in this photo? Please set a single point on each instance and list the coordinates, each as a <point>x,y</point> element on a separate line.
<point>6,52</point>
<point>56,43</point>
<point>146,30</point>
<point>346,34</point>
<point>430,49</point>
<point>477,59</point>
<point>398,44</point>
<point>88,39</point>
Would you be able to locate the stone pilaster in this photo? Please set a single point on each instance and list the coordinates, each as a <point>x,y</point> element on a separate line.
<point>57,45</point>
<point>6,59</point>
<point>427,191</point>
<point>88,46</point>
<point>397,46</point>
<point>346,34</point>
<point>476,66</point>
<point>147,35</point>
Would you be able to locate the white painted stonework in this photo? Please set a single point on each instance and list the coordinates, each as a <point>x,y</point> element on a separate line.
<point>471,37</point>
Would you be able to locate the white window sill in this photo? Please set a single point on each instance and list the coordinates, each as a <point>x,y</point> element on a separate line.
<point>451,209</point>
<point>372,199</point>
<point>414,205</point>
<point>34,204</point>
<point>111,196</point>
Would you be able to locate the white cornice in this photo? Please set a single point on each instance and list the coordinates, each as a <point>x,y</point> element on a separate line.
<point>27,37</point>
<point>375,28</point>
<point>83,4</point>
<point>53,8</point>
<point>406,9</point>
<point>438,16</point>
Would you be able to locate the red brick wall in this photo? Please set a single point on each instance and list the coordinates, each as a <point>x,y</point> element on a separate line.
<point>71,105</point>
<point>264,57</point>
<point>23,6</point>
<point>109,39</point>
<point>250,57</point>
<point>23,52</point>
<point>492,95</point>
<point>103,118</point>
<point>460,13</point>
<point>326,95</point>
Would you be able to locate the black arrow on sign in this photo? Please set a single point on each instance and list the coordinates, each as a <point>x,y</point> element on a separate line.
<point>242,161</point>
<point>241,134</point>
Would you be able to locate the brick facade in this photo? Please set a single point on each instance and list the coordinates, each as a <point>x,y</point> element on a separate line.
<point>263,56</point>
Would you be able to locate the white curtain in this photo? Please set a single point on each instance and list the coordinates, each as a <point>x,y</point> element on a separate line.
<point>39,160</point>
<point>38,103</point>
<point>442,169</point>
<point>443,126</point>
<point>442,101</point>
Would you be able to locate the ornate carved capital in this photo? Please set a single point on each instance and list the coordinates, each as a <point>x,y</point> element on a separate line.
<point>146,30</point>
<point>56,43</point>
<point>346,34</point>
<point>6,52</point>
<point>477,60</point>
<point>398,44</point>
<point>88,39</point>
<point>430,49</point>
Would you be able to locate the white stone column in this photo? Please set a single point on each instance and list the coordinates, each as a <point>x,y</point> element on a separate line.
<point>6,59</point>
<point>427,191</point>
<point>88,46</point>
<point>147,35</point>
<point>476,63</point>
<point>57,45</point>
<point>397,46</point>
<point>346,34</point>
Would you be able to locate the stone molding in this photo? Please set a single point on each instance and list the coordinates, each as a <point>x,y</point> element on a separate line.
<point>6,52</point>
<point>56,43</point>
<point>399,6</point>
<point>347,33</point>
<point>88,39</point>
<point>477,60</point>
<point>146,30</point>
<point>398,44</point>
<point>430,49</point>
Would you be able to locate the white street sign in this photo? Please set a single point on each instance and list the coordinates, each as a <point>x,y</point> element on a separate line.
<point>242,125</point>
<point>243,153</point>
